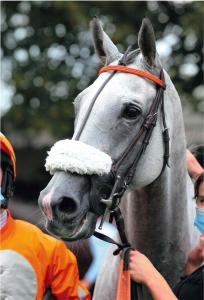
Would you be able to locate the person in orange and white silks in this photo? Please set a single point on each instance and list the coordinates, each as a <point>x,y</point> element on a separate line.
<point>31,261</point>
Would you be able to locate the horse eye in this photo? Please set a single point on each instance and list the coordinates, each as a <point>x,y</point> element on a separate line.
<point>131,111</point>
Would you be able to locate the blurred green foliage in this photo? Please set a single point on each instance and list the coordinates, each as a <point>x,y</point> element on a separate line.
<point>48,57</point>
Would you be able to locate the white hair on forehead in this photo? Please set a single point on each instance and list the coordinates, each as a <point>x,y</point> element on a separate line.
<point>77,157</point>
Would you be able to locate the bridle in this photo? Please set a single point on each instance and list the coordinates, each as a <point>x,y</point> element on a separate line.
<point>123,169</point>
<point>122,173</point>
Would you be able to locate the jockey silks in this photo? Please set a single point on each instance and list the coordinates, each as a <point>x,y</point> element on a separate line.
<point>31,262</point>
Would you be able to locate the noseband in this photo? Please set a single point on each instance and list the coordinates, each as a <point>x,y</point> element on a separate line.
<point>121,171</point>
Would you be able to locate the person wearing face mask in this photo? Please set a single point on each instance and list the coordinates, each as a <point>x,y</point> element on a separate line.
<point>31,262</point>
<point>191,286</point>
<point>199,196</point>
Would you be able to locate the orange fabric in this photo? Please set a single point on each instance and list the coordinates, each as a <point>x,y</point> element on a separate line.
<point>123,289</point>
<point>45,255</point>
<point>6,146</point>
<point>134,72</point>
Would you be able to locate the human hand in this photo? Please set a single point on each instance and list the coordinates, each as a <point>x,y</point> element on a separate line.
<point>86,282</point>
<point>193,166</point>
<point>195,257</point>
<point>141,269</point>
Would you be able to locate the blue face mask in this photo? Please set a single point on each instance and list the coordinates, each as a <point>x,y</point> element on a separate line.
<point>199,219</point>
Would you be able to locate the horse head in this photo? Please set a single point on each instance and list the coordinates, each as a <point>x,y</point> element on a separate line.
<point>103,130</point>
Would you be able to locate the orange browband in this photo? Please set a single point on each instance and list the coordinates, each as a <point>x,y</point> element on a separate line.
<point>138,72</point>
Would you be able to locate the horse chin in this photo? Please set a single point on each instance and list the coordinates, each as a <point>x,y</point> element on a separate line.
<point>83,230</point>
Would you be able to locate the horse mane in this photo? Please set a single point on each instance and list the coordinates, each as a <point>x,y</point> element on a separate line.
<point>129,56</point>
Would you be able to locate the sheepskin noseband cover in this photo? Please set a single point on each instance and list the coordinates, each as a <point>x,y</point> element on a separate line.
<point>77,157</point>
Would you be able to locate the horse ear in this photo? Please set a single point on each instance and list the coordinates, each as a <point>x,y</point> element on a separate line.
<point>104,47</point>
<point>146,41</point>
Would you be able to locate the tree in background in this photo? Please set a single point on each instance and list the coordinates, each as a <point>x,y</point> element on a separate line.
<point>48,58</point>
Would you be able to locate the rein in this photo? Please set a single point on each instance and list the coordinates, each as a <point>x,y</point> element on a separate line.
<point>123,170</point>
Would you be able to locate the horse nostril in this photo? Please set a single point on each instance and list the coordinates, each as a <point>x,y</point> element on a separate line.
<point>67,205</point>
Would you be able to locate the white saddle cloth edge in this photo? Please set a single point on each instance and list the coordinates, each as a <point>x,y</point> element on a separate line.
<point>77,157</point>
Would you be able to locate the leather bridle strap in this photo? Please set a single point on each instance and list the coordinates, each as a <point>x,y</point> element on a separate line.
<point>122,180</point>
<point>133,71</point>
<point>124,168</point>
<point>115,69</point>
<point>147,126</point>
<point>77,136</point>
<point>127,288</point>
<point>146,129</point>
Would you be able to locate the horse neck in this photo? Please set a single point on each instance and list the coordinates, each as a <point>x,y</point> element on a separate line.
<point>158,222</point>
<point>159,210</point>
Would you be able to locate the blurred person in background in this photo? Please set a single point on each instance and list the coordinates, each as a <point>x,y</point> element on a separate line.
<point>99,249</point>
<point>191,286</point>
<point>31,262</point>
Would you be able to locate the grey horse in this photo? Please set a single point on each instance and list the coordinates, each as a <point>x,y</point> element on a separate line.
<point>158,212</point>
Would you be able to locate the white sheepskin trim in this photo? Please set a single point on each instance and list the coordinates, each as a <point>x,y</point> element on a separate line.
<point>77,157</point>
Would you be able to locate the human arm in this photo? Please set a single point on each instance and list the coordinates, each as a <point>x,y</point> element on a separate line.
<point>143,271</point>
<point>195,257</point>
<point>193,166</point>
